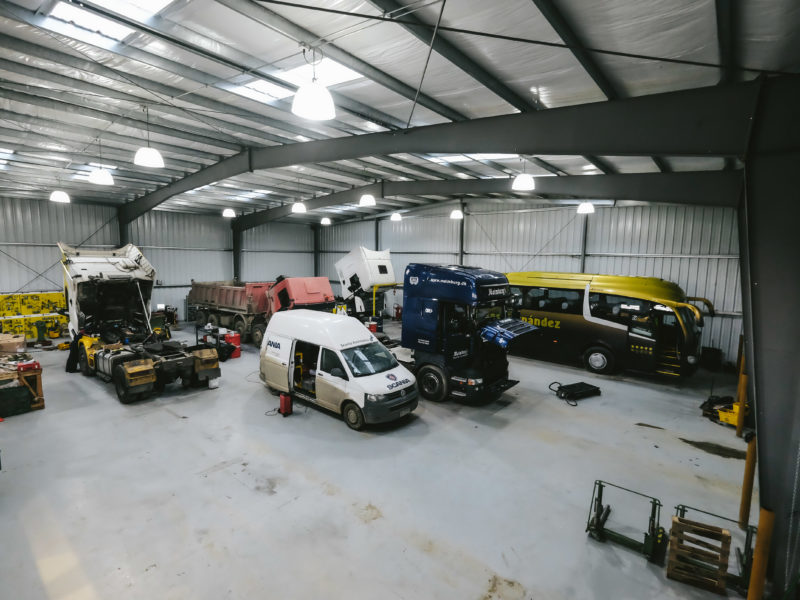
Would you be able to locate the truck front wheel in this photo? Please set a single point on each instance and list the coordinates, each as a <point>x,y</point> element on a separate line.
<point>433,384</point>
<point>257,334</point>
<point>123,393</point>
<point>201,318</point>
<point>353,416</point>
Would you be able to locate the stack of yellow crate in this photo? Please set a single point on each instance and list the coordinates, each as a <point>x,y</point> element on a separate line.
<point>19,313</point>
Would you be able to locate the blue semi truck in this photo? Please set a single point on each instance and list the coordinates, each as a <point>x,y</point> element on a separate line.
<point>455,332</point>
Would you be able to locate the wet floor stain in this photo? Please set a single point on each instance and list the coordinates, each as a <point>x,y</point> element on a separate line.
<point>717,449</point>
<point>504,589</point>
<point>368,513</point>
<point>648,425</point>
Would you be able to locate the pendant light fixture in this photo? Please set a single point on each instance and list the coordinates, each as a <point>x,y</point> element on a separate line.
<point>59,196</point>
<point>396,217</point>
<point>100,175</point>
<point>229,213</point>
<point>312,100</point>
<point>585,208</point>
<point>148,156</point>
<point>298,207</point>
<point>456,214</point>
<point>324,221</point>
<point>523,182</point>
<point>367,200</point>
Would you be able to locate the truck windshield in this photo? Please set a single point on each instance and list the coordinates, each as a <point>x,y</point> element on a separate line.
<point>369,359</point>
<point>482,314</point>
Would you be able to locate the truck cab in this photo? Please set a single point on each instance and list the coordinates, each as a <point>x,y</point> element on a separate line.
<point>457,332</point>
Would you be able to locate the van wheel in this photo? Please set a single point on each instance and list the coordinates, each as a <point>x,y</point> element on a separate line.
<point>599,360</point>
<point>123,393</point>
<point>353,416</point>
<point>83,361</point>
<point>257,335</point>
<point>433,385</point>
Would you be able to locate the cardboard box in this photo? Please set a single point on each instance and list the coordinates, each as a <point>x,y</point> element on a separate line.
<point>12,342</point>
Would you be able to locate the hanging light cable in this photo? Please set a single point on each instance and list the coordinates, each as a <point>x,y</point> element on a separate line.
<point>297,206</point>
<point>147,156</point>
<point>312,100</point>
<point>100,175</point>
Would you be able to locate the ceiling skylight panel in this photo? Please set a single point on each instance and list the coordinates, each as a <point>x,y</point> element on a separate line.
<point>328,72</point>
<point>91,22</point>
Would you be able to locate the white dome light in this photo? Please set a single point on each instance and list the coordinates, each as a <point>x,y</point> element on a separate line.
<point>585,208</point>
<point>324,221</point>
<point>524,182</point>
<point>59,196</point>
<point>148,157</point>
<point>229,213</point>
<point>456,214</point>
<point>298,207</point>
<point>101,176</point>
<point>367,200</point>
<point>396,217</point>
<point>314,102</point>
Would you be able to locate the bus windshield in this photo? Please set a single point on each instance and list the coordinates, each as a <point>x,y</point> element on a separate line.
<point>686,315</point>
<point>369,359</point>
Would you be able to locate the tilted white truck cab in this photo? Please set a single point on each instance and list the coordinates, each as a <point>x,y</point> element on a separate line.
<point>335,362</point>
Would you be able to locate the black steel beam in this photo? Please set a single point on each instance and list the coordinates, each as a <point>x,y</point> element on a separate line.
<point>712,121</point>
<point>707,188</point>
<point>727,29</point>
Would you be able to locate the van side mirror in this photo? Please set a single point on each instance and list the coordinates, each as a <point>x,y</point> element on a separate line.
<point>339,372</point>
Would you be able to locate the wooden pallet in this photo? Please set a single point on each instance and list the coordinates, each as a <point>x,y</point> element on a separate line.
<point>698,554</point>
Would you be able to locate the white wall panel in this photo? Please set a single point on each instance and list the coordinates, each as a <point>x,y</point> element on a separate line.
<point>508,263</point>
<point>279,236</point>
<point>164,229</point>
<point>327,268</point>
<point>348,236</point>
<point>429,234</point>
<point>530,232</point>
<point>29,231</point>
<point>267,265</point>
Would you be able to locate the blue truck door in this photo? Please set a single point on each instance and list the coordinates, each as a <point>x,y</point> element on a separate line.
<point>421,324</point>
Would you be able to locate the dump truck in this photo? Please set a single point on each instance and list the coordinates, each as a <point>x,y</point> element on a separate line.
<point>247,307</point>
<point>108,303</point>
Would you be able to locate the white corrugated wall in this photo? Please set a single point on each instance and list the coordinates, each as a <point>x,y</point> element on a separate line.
<point>183,247</point>
<point>277,249</point>
<point>29,232</point>
<point>696,247</point>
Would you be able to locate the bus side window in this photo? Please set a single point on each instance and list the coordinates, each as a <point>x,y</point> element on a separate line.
<point>565,301</point>
<point>535,298</point>
<point>516,297</point>
<point>620,309</point>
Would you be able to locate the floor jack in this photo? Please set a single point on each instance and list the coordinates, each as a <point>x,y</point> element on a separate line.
<point>654,547</point>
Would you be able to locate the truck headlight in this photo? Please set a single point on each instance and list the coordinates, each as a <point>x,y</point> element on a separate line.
<point>692,360</point>
<point>477,381</point>
<point>374,397</point>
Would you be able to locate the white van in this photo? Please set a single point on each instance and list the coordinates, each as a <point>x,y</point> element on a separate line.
<point>335,362</point>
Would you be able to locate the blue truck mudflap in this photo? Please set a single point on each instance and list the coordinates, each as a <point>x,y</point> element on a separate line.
<point>503,331</point>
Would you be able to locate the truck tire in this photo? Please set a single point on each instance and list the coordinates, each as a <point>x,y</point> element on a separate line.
<point>599,360</point>
<point>123,393</point>
<point>201,317</point>
<point>257,334</point>
<point>433,385</point>
<point>83,361</point>
<point>240,327</point>
<point>213,318</point>
<point>353,416</point>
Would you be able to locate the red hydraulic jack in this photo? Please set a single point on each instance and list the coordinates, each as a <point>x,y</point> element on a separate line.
<point>286,405</point>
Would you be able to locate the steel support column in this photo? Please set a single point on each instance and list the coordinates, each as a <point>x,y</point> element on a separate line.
<point>317,246</point>
<point>771,294</point>
<point>237,254</point>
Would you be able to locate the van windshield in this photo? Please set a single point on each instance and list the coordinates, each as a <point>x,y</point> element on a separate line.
<point>369,359</point>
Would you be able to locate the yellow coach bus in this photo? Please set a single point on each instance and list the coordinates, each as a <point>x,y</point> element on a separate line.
<point>611,322</point>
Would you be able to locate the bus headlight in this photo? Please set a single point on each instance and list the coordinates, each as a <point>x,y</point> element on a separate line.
<point>692,360</point>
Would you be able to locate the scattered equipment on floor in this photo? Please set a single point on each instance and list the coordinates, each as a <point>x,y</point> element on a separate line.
<point>722,409</point>
<point>654,546</point>
<point>572,392</point>
<point>698,554</point>
<point>286,405</point>
<point>744,555</point>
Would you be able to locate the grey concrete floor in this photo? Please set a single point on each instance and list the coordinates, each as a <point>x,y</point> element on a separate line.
<point>202,495</point>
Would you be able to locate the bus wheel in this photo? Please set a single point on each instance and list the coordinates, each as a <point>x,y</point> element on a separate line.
<point>353,416</point>
<point>598,359</point>
<point>432,383</point>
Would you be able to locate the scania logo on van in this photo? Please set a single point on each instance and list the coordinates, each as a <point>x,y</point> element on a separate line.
<point>396,384</point>
<point>274,344</point>
<point>391,377</point>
